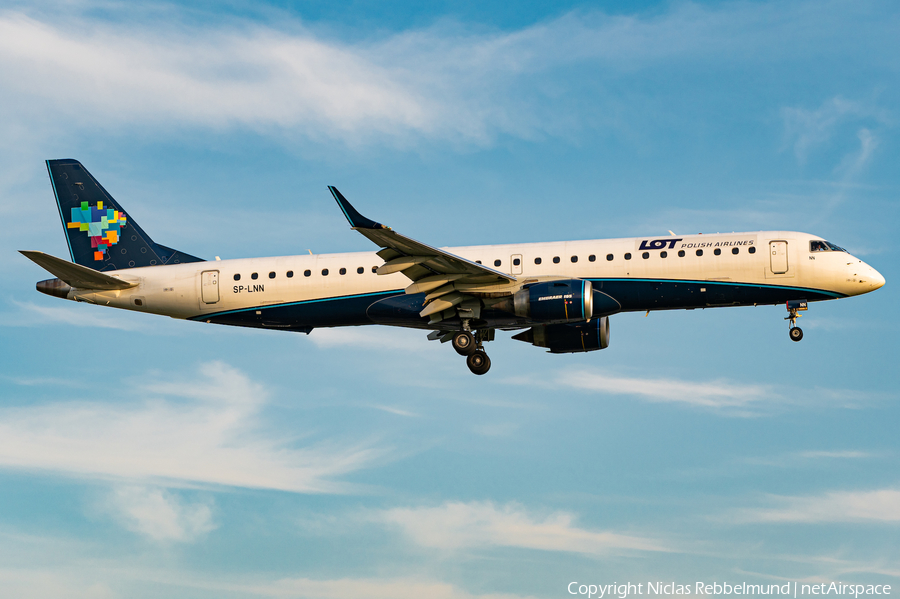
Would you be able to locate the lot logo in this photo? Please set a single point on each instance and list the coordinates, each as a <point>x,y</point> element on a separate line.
<point>659,244</point>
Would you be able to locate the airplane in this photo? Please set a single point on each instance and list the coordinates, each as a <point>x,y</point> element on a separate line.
<point>557,295</point>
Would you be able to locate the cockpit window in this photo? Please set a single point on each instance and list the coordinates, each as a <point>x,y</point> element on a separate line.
<point>824,246</point>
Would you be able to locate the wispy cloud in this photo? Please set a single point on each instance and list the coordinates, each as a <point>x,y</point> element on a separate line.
<point>79,581</point>
<point>369,338</point>
<point>806,129</point>
<point>804,459</point>
<point>159,513</point>
<point>374,588</point>
<point>444,81</point>
<point>842,455</point>
<point>192,431</point>
<point>456,525</point>
<point>881,505</point>
<point>31,314</point>
<point>719,394</point>
<point>396,411</point>
<point>810,129</point>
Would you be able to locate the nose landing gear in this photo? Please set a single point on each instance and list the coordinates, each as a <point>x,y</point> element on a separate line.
<point>794,307</point>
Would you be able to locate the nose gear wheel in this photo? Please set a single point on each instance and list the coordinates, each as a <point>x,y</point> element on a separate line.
<point>794,307</point>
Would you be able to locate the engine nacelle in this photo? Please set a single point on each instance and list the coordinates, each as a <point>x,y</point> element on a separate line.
<point>569,338</point>
<point>570,300</point>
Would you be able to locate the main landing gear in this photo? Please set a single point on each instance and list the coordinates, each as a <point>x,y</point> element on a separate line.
<point>471,346</point>
<point>794,307</point>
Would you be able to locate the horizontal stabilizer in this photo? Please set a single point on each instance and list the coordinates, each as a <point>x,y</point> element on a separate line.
<point>75,275</point>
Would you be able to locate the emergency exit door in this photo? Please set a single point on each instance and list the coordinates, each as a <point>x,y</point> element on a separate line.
<point>516,262</point>
<point>778,257</point>
<point>209,286</point>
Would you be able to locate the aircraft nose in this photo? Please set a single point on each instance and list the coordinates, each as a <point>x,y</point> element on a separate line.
<point>876,280</point>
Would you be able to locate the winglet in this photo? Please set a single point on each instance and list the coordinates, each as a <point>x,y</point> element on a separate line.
<point>357,220</point>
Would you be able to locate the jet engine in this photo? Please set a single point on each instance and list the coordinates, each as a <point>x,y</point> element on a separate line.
<point>569,338</point>
<point>570,300</point>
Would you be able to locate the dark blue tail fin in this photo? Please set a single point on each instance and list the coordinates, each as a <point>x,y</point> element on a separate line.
<point>101,235</point>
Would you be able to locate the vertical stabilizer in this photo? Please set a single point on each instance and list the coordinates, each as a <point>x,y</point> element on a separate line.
<point>100,234</point>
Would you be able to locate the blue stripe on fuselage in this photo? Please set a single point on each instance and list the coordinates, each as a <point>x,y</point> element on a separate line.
<point>633,295</point>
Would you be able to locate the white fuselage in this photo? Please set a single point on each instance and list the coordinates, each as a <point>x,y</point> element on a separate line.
<point>778,258</point>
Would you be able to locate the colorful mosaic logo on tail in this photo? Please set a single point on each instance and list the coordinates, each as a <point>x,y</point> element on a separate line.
<point>103,226</point>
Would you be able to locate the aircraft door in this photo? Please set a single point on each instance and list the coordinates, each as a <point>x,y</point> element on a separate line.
<point>516,262</point>
<point>778,257</point>
<point>209,286</point>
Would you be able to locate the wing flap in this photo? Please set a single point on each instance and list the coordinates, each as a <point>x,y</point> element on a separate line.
<point>76,275</point>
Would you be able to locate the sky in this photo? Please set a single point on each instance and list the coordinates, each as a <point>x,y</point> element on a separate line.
<point>142,456</point>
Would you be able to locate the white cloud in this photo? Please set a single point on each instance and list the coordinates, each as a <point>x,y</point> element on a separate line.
<point>881,505</point>
<point>205,430</point>
<point>806,129</point>
<point>159,513</point>
<point>79,580</point>
<point>372,588</point>
<point>31,314</point>
<point>802,459</point>
<point>710,394</point>
<point>456,525</point>
<point>396,411</point>
<point>853,163</point>
<point>848,454</point>
<point>445,81</point>
<point>372,338</point>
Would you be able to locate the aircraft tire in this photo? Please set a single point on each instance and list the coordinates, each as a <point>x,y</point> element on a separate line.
<point>464,343</point>
<point>796,334</point>
<point>478,362</point>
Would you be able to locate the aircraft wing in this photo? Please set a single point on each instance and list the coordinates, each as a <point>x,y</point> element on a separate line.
<point>446,276</point>
<point>76,275</point>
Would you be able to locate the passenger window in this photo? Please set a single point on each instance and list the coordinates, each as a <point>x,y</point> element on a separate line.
<point>307,273</point>
<point>478,262</point>
<point>735,250</point>
<point>496,263</point>
<point>609,257</point>
<point>717,252</point>
<point>516,262</point>
<point>374,270</point>
<point>237,277</point>
<point>555,259</point>
<point>360,270</point>
<point>537,260</point>
<point>343,271</point>
<point>681,253</point>
<point>254,276</point>
<point>592,258</point>
<point>574,259</point>
<point>324,272</point>
<point>751,250</point>
<point>645,255</point>
<point>663,254</point>
<point>699,252</point>
<point>628,256</point>
<point>290,274</point>
<point>272,275</point>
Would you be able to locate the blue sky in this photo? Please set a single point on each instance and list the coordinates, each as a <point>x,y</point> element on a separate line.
<point>146,457</point>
